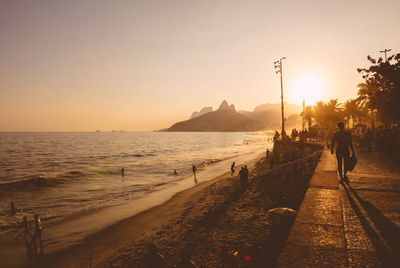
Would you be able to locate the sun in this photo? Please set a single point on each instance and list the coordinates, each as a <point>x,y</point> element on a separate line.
<point>307,87</point>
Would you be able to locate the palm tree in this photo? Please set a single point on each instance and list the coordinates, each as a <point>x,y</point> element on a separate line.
<point>367,92</point>
<point>334,113</point>
<point>352,110</point>
<point>308,115</point>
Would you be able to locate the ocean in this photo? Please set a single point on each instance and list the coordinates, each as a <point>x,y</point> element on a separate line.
<point>64,176</point>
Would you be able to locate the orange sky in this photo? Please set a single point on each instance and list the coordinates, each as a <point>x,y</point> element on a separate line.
<point>142,65</point>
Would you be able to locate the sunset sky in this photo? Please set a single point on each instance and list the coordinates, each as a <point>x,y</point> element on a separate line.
<point>143,65</point>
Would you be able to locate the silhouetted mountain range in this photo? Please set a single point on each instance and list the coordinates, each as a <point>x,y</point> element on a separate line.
<point>226,118</point>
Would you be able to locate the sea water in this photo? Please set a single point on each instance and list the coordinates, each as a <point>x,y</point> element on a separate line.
<point>61,176</point>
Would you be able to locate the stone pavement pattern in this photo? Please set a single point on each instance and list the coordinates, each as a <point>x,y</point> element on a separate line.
<point>355,224</point>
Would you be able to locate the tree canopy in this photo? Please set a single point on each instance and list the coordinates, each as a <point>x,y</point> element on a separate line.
<point>380,91</point>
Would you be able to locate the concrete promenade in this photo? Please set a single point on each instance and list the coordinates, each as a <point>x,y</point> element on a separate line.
<point>355,224</point>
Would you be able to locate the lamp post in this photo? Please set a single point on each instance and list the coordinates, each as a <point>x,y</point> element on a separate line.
<point>304,104</point>
<point>278,66</point>
<point>385,51</point>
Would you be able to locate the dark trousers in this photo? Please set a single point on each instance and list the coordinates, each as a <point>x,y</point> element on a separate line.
<point>342,157</point>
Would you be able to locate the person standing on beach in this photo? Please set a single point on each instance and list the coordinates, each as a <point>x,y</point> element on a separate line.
<point>342,140</point>
<point>37,235</point>
<point>242,175</point>
<point>232,168</point>
<point>13,210</point>
<point>246,174</point>
<point>27,237</point>
<point>194,169</point>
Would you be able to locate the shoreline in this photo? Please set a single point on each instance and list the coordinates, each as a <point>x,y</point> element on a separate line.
<point>87,226</point>
<point>121,234</point>
<point>215,212</point>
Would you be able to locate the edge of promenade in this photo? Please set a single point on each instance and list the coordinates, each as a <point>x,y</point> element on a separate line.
<point>355,224</point>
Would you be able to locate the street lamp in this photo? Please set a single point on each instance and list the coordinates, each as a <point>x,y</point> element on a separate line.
<point>278,66</point>
<point>385,51</point>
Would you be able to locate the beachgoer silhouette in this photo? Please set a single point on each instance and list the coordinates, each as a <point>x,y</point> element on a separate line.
<point>13,210</point>
<point>152,257</point>
<point>27,237</point>
<point>342,140</point>
<point>242,176</point>
<point>232,168</point>
<point>175,173</point>
<point>267,154</point>
<point>194,169</point>
<point>246,174</point>
<point>122,171</point>
<point>37,235</point>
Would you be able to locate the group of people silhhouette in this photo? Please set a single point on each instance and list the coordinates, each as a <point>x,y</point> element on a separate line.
<point>33,236</point>
<point>243,173</point>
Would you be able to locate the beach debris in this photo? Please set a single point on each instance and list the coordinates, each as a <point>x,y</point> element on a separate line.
<point>232,258</point>
<point>283,211</point>
<point>153,257</point>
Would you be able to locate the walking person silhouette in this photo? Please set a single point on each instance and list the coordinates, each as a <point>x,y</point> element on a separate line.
<point>233,168</point>
<point>194,169</point>
<point>342,140</point>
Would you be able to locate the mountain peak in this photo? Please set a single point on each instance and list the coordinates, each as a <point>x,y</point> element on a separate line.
<point>224,106</point>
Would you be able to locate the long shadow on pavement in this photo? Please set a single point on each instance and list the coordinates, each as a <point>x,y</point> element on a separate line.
<point>386,240</point>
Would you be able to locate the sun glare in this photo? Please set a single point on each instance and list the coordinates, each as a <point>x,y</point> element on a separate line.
<point>307,87</point>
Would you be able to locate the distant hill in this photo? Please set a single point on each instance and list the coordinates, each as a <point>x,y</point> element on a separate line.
<point>224,119</point>
<point>265,116</point>
<point>269,115</point>
<point>202,111</point>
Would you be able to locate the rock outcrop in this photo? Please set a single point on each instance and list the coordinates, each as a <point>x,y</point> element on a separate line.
<point>225,119</point>
<point>205,110</point>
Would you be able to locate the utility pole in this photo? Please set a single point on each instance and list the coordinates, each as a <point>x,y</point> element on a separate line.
<point>304,103</point>
<point>278,65</point>
<point>385,51</point>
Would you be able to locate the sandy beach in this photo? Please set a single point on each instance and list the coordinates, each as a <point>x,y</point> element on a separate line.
<point>200,220</point>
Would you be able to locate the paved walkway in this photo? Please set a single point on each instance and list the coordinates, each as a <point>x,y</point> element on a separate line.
<point>350,225</point>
